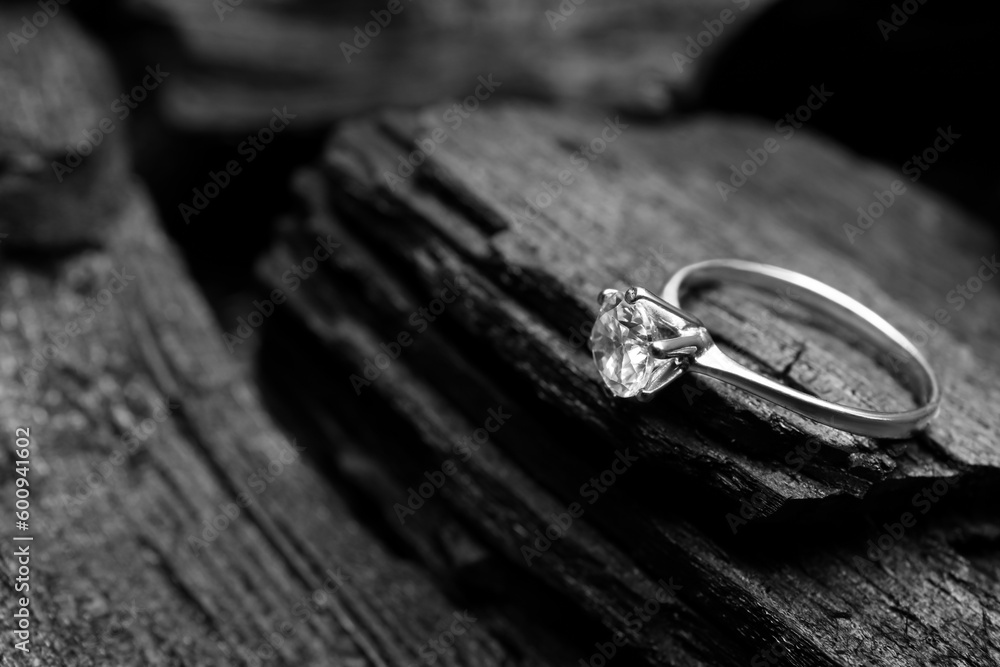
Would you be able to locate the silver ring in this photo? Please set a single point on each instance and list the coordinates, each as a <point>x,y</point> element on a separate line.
<point>642,342</point>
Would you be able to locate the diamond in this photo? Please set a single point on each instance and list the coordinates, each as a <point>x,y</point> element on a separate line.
<point>620,343</point>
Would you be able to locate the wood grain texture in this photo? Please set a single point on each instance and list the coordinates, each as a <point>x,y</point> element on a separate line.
<point>174,520</point>
<point>468,206</point>
<point>810,579</point>
<point>756,536</point>
<point>58,88</point>
<point>232,66</point>
<point>127,571</point>
<point>117,578</point>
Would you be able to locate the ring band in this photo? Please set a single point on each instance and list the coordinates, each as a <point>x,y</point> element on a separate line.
<point>642,342</point>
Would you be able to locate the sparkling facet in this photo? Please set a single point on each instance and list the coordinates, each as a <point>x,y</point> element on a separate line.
<point>620,343</point>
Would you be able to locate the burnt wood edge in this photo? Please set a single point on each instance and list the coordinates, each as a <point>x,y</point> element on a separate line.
<point>363,296</point>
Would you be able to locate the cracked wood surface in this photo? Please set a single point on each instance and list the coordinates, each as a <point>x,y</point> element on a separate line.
<point>116,577</point>
<point>810,579</point>
<point>116,580</point>
<point>174,520</point>
<point>649,205</point>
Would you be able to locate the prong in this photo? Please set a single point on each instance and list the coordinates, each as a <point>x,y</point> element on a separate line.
<point>682,318</point>
<point>681,346</point>
<point>605,295</point>
<point>643,294</point>
<point>664,375</point>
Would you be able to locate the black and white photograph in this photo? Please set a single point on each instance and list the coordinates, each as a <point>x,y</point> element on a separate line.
<point>499,333</point>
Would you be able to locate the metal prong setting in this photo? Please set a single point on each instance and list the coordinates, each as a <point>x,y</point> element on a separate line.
<point>605,295</point>
<point>688,340</point>
<point>690,343</point>
<point>676,340</point>
<point>677,317</point>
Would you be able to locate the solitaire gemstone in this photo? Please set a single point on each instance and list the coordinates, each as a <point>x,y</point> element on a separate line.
<point>620,343</point>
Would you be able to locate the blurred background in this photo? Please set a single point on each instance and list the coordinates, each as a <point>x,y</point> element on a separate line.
<point>222,111</point>
<point>899,72</point>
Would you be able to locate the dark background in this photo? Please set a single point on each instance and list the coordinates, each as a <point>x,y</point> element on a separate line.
<point>893,90</point>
